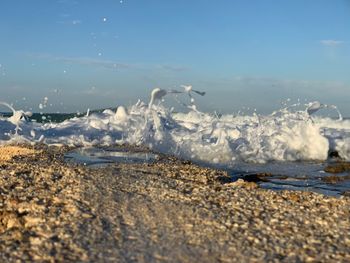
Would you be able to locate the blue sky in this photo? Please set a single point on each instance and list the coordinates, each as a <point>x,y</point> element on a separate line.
<point>89,53</point>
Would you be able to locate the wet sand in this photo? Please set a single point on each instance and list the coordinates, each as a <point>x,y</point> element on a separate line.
<point>169,211</point>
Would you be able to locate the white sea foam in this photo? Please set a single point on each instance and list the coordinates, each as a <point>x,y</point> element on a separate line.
<point>285,135</point>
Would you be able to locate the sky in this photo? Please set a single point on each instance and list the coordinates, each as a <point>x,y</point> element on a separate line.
<point>70,55</point>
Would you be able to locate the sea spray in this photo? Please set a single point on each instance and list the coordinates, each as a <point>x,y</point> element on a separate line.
<point>288,134</point>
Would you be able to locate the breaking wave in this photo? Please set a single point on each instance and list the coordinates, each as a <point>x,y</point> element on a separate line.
<point>289,134</point>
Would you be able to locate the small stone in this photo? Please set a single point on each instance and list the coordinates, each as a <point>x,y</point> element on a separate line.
<point>35,241</point>
<point>13,222</point>
<point>240,183</point>
<point>31,221</point>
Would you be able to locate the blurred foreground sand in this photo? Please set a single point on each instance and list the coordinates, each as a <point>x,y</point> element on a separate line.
<point>8,152</point>
<point>166,211</point>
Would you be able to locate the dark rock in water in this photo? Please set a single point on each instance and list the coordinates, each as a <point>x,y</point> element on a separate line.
<point>346,193</point>
<point>340,167</point>
<point>224,179</point>
<point>186,162</point>
<point>256,177</point>
<point>333,179</point>
<point>333,154</point>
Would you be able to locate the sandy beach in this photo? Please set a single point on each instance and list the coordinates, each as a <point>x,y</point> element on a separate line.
<point>168,211</point>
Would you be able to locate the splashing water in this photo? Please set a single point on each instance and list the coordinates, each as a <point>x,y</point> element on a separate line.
<point>285,135</point>
<point>17,117</point>
<point>315,106</point>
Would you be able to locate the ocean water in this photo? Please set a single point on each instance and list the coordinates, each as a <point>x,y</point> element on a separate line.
<point>102,157</point>
<point>288,141</point>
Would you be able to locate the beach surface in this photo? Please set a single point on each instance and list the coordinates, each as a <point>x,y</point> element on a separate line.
<point>167,211</point>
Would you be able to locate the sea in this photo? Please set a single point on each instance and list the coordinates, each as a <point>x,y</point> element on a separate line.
<point>288,149</point>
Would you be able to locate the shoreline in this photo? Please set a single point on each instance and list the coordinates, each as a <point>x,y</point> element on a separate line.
<point>168,211</point>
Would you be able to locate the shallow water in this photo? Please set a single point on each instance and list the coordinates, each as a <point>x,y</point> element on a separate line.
<point>300,176</point>
<point>99,157</point>
<point>304,176</point>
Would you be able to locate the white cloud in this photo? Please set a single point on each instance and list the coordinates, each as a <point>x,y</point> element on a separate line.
<point>173,68</point>
<point>105,92</point>
<point>93,62</point>
<point>70,22</point>
<point>70,2</point>
<point>267,93</point>
<point>331,42</point>
<point>85,61</point>
<point>266,88</point>
<point>104,63</point>
<point>76,22</point>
